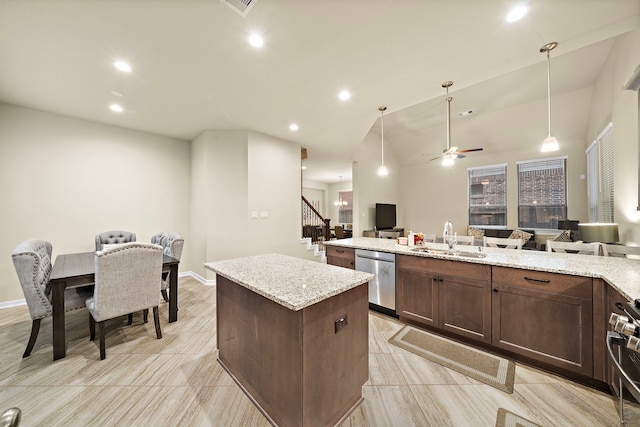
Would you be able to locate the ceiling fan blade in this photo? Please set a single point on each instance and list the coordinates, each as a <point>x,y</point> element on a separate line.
<point>470,150</point>
<point>436,158</point>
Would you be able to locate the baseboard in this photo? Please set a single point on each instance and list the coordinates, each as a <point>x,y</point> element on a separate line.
<point>15,303</point>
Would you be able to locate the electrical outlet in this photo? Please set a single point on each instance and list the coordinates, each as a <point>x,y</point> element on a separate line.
<point>341,323</point>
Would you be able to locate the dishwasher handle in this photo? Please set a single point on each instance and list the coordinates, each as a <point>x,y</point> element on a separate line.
<point>375,259</point>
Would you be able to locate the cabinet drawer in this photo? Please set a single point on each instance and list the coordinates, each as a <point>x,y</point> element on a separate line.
<point>342,257</point>
<point>578,286</point>
<point>441,266</point>
<point>340,252</point>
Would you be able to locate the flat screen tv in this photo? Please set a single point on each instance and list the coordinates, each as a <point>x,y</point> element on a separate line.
<point>385,216</point>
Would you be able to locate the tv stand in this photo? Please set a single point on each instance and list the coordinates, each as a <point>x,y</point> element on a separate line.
<point>376,233</point>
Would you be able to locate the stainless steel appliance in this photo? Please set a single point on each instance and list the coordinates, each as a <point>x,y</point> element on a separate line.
<point>382,289</point>
<point>623,345</point>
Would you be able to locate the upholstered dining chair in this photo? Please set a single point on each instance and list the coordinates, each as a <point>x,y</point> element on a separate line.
<point>114,237</point>
<point>172,244</point>
<point>32,261</point>
<point>573,247</point>
<point>339,232</point>
<point>499,242</point>
<point>126,281</point>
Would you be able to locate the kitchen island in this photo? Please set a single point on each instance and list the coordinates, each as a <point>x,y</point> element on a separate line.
<point>293,334</point>
<point>550,310</point>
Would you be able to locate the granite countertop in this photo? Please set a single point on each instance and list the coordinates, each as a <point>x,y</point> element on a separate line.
<point>621,273</point>
<point>294,283</point>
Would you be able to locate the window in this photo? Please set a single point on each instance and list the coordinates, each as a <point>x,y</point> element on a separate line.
<point>345,209</point>
<point>600,177</point>
<point>542,192</point>
<point>488,195</point>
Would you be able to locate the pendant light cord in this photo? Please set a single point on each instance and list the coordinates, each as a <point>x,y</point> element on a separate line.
<point>549,90</point>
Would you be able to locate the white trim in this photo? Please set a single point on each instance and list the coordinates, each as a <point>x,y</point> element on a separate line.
<point>604,131</point>
<point>14,303</point>
<point>208,282</point>
<point>591,146</point>
<point>497,165</point>
<point>565,157</point>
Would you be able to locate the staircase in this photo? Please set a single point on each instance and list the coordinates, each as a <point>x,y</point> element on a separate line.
<point>315,229</point>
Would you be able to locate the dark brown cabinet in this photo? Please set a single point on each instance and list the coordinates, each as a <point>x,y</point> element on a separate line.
<point>546,317</point>
<point>450,295</point>
<point>340,256</point>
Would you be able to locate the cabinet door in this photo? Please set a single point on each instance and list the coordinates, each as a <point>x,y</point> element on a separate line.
<point>465,307</point>
<point>549,320</point>
<point>342,257</point>
<point>417,296</point>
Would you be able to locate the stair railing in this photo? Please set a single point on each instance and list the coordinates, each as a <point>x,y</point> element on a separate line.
<point>313,224</point>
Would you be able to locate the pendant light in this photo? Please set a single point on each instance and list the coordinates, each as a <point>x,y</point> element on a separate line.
<point>382,170</point>
<point>340,203</point>
<point>550,143</point>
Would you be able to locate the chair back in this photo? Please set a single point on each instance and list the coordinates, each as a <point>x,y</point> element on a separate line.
<point>621,251</point>
<point>499,242</point>
<point>429,238</point>
<point>32,261</point>
<point>339,232</point>
<point>172,243</point>
<point>127,280</point>
<point>115,237</point>
<point>573,247</point>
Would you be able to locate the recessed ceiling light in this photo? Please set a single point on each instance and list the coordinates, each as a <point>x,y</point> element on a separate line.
<point>256,40</point>
<point>122,66</point>
<point>293,127</point>
<point>517,13</point>
<point>117,93</point>
<point>116,108</point>
<point>344,95</point>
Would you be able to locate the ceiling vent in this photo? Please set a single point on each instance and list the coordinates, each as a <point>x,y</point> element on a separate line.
<point>466,113</point>
<point>241,6</point>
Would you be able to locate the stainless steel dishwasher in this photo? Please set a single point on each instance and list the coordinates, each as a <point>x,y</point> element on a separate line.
<point>382,289</point>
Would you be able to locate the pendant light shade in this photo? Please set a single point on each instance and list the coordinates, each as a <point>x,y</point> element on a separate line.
<point>382,170</point>
<point>550,143</point>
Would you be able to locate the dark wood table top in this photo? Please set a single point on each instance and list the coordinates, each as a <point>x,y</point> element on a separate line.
<point>81,265</point>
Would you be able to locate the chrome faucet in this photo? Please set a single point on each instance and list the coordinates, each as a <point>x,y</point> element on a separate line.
<point>448,236</point>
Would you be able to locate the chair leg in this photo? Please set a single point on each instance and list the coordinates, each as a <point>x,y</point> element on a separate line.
<point>35,328</point>
<point>103,352</point>
<point>165,295</point>
<point>92,328</point>
<point>156,320</point>
<point>145,315</point>
<point>129,319</point>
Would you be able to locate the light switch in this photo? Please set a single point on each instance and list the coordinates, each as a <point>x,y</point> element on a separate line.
<point>264,214</point>
<point>254,214</point>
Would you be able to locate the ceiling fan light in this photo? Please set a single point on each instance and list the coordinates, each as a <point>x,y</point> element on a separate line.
<point>550,144</point>
<point>382,171</point>
<point>447,160</point>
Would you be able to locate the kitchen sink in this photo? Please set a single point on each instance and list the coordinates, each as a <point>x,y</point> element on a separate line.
<point>431,251</point>
<point>472,254</point>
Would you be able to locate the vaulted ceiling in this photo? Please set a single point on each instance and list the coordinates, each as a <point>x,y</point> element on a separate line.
<point>194,70</point>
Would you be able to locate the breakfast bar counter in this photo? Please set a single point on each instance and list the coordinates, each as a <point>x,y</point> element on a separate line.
<point>621,273</point>
<point>293,334</point>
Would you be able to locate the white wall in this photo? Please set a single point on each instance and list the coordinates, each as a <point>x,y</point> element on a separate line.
<point>428,194</point>
<point>237,173</point>
<point>65,180</point>
<point>369,188</point>
<point>611,103</point>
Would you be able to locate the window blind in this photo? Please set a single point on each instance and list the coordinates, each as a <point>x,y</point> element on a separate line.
<point>605,200</point>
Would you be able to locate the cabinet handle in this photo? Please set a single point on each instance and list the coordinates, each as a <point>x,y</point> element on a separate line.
<point>340,251</point>
<point>533,279</point>
<point>495,290</point>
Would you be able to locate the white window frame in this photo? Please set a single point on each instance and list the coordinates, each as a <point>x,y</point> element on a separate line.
<point>546,159</point>
<point>469,177</point>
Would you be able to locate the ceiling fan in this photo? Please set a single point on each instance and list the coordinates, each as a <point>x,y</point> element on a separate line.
<point>451,153</point>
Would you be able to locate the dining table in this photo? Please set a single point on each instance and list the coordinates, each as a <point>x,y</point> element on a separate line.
<point>78,269</point>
